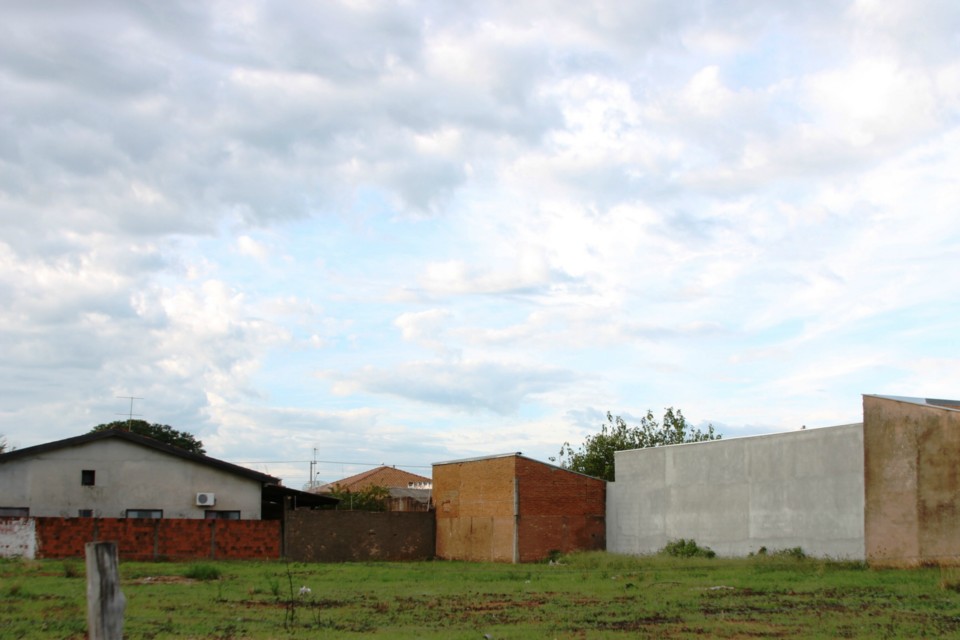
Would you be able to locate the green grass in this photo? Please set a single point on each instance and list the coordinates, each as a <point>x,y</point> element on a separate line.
<point>591,595</point>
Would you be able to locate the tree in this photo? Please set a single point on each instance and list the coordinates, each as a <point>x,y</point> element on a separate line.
<point>161,432</point>
<point>372,498</point>
<point>3,444</point>
<point>595,455</point>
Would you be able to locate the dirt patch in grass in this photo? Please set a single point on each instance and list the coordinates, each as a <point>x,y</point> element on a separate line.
<point>163,580</point>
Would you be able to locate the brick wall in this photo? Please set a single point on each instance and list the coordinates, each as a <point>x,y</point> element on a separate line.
<point>174,539</point>
<point>510,507</point>
<point>354,536</point>
<point>559,511</point>
<point>475,509</point>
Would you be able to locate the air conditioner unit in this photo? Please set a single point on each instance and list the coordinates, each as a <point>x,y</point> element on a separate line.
<point>206,499</point>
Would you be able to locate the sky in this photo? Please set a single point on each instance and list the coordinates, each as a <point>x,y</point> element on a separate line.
<point>369,232</point>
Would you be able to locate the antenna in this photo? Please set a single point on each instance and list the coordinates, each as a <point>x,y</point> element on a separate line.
<point>131,413</point>
<point>312,482</point>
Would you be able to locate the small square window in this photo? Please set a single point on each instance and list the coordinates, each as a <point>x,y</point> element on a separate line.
<point>88,477</point>
<point>85,513</point>
<point>15,512</point>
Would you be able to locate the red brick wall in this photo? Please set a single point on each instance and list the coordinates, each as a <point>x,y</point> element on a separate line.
<point>175,539</point>
<point>559,511</point>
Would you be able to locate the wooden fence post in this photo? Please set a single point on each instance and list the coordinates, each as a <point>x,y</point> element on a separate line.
<point>105,601</point>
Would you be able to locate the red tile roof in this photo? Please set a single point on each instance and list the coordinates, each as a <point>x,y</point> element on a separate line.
<point>383,476</point>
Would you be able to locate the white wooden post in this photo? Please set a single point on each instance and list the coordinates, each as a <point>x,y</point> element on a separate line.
<point>105,601</point>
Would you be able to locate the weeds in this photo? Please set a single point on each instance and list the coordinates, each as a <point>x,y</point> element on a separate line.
<point>797,553</point>
<point>204,572</point>
<point>71,569</point>
<point>683,548</point>
<point>950,579</point>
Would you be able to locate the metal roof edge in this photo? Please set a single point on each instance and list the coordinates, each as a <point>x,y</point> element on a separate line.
<point>939,403</point>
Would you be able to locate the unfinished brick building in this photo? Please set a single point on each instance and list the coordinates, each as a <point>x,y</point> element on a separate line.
<point>510,508</point>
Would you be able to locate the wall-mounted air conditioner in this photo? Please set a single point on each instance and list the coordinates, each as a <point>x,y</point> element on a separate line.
<point>206,499</point>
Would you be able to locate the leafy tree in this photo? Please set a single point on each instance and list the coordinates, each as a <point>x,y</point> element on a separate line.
<point>161,432</point>
<point>372,498</point>
<point>595,455</point>
<point>3,444</point>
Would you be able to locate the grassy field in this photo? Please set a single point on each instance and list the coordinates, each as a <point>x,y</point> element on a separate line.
<point>591,595</point>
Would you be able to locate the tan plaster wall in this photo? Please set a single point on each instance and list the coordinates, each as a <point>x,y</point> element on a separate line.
<point>475,509</point>
<point>912,483</point>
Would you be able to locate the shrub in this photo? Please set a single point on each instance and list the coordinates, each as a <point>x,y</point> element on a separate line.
<point>202,572</point>
<point>683,548</point>
<point>796,553</point>
<point>71,569</point>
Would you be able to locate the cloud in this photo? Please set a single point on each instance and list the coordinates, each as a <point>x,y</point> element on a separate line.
<point>571,207</point>
<point>497,387</point>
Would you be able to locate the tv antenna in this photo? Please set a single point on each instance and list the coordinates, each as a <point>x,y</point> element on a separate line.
<point>131,413</point>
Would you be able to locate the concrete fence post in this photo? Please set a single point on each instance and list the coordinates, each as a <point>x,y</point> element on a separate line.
<point>105,601</point>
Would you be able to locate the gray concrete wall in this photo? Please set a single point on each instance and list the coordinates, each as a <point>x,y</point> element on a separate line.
<point>128,476</point>
<point>798,489</point>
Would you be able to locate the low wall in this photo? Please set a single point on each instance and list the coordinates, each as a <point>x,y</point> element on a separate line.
<point>144,539</point>
<point>355,536</point>
<point>18,538</point>
<point>799,489</point>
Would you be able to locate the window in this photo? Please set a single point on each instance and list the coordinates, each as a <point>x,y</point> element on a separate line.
<point>85,513</point>
<point>88,477</point>
<point>144,513</point>
<point>221,515</point>
<point>15,512</point>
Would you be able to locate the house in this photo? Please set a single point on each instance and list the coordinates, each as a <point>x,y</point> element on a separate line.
<point>408,491</point>
<point>510,508</point>
<point>119,474</point>
<point>886,490</point>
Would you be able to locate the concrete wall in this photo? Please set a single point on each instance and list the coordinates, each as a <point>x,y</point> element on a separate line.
<point>128,476</point>
<point>798,489</point>
<point>358,536</point>
<point>912,470</point>
<point>18,538</point>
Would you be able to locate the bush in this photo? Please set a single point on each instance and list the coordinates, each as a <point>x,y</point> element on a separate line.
<point>796,553</point>
<point>683,548</point>
<point>202,572</point>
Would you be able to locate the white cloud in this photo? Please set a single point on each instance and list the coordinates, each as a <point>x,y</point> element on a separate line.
<point>258,218</point>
